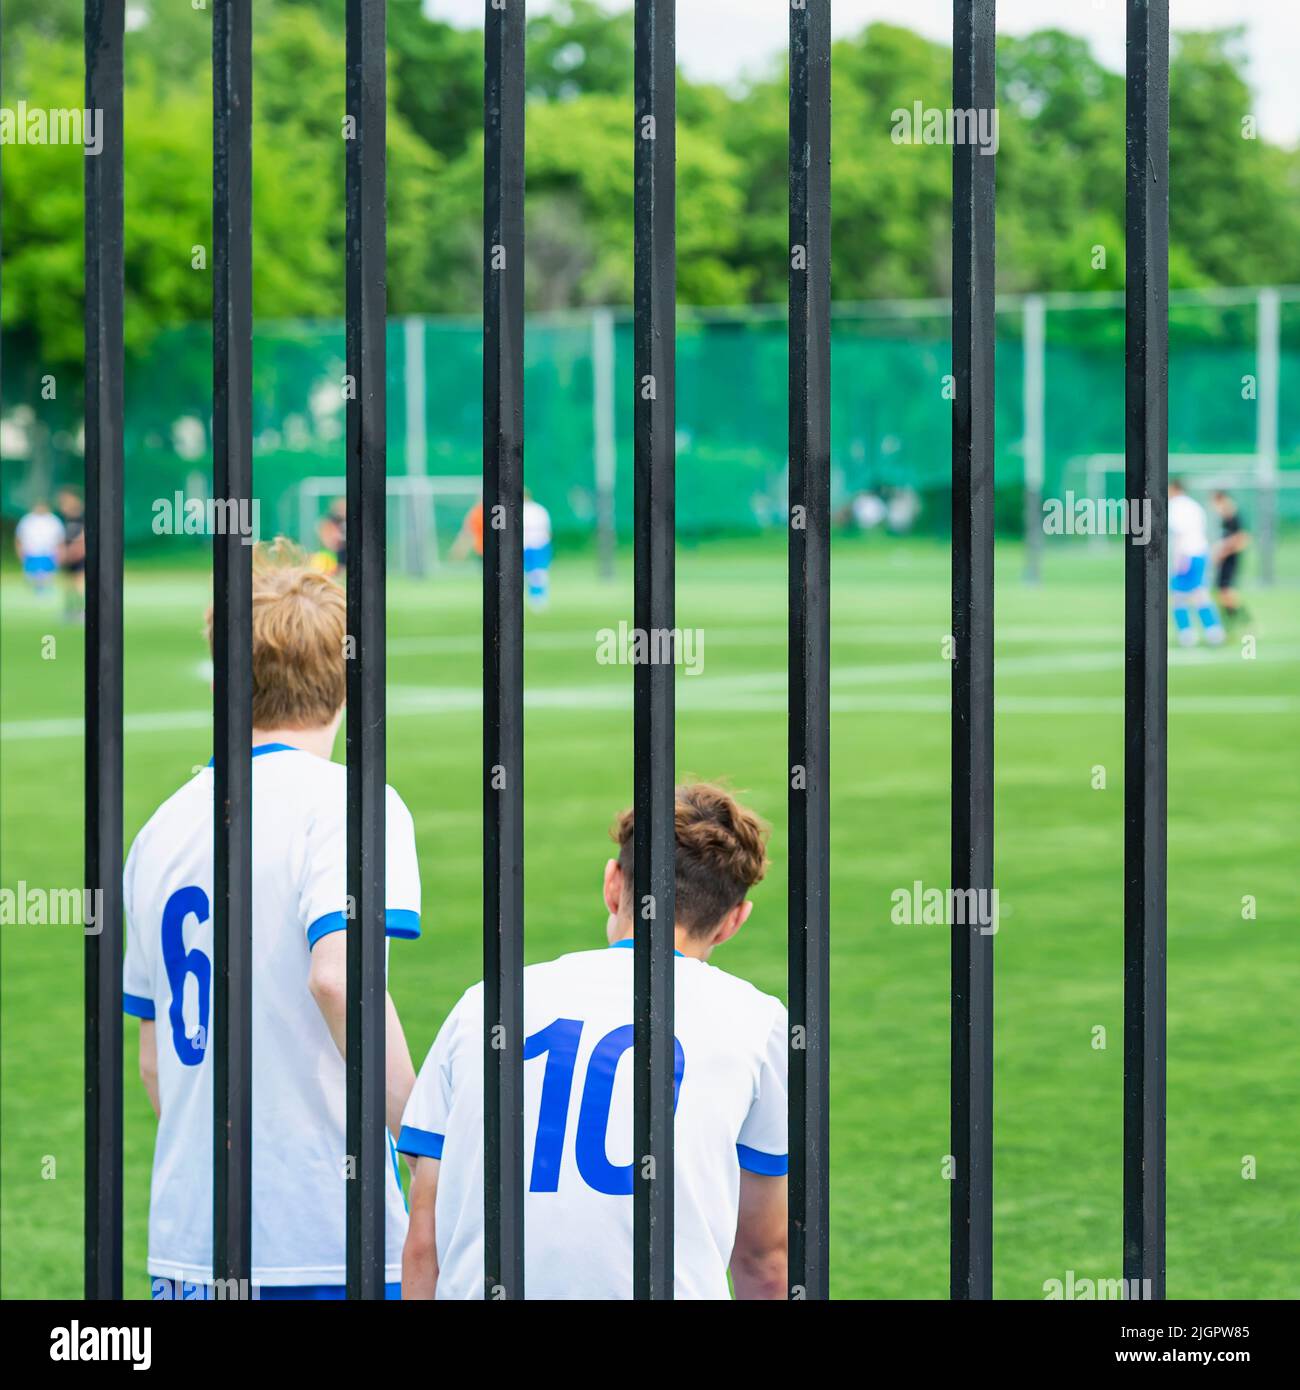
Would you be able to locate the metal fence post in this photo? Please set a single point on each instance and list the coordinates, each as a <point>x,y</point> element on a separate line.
<point>232,643</point>
<point>809,655</point>
<point>1146,446</point>
<point>103,647</point>
<point>973,340</point>
<point>503,653</point>
<point>366,502</point>
<point>655,841</point>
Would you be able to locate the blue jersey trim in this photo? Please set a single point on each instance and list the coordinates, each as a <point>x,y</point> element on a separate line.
<point>614,945</point>
<point>402,922</point>
<point>265,748</point>
<point>397,1172</point>
<point>422,1143</point>
<point>398,921</point>
<point>322,926</point>
<point>767,1165</point>
<point>137,1006</point>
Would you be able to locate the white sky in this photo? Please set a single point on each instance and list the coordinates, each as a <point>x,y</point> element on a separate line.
<point>720,39</point>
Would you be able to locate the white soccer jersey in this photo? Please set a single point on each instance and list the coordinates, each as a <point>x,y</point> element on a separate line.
<point>731,1113</point>
<point>299,1085</point>
<point>39,533</point>
<point>1189,535</point>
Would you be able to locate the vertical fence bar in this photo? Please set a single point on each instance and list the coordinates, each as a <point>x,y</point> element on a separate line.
<point>105,27</point>
<point>1146,447</point>
<point>503,652</point>
<point>654,836</point>
<point>232,647</point>
<point>1035,449</point>
<point>366,499</point>
<point>809,613</point>
<point>973,262</point>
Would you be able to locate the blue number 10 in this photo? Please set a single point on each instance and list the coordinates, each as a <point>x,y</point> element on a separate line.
<point>559,1043</point>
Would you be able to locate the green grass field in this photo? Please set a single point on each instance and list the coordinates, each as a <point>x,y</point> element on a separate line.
<point>1234,806</point>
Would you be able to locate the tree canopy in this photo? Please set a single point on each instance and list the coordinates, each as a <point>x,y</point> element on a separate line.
<point>1235,205</point>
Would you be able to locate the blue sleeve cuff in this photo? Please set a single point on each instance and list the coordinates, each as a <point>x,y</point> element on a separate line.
<point>137,1005</point>
<point>766,1165</point>
<point>422,1143</point>
<point>400,922</point>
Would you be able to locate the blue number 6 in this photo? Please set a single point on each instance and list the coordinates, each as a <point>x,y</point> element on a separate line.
<point>186,902</point>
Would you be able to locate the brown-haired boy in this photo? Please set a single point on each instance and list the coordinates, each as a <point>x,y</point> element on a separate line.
<point>730,1147</point>
<point>299,968</point>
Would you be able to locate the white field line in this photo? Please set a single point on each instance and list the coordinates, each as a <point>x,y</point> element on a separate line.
<point>881,635</point>
<point>412,700</point>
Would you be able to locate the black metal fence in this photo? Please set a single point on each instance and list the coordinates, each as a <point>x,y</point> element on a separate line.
<point>653,132</point>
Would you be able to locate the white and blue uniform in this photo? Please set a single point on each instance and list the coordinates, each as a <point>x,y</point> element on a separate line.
<point>1189,558</point>
<point>299,1087</point>
<point>537,552</point>
<point>40,536</point>
<point>731,1114</point>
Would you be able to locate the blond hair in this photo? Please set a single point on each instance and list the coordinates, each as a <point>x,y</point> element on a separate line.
<point>300,623</point>
<point>721,854</point>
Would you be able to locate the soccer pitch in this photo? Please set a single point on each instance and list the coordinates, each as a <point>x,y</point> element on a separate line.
<point>1234,804</point>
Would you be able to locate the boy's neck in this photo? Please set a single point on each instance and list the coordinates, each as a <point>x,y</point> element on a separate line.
<point>318,741</point>
<point>685,943</point>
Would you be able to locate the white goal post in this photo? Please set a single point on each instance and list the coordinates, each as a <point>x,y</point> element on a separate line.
<point>416,544</point>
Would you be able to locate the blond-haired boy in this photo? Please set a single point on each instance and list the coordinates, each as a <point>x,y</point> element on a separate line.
<point>299,967</point>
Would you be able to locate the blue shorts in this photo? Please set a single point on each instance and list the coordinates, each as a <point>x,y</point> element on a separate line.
<point>1192,578</point>
<point>39,564</point>
<point>537,559</point>
<point>178,1289</point>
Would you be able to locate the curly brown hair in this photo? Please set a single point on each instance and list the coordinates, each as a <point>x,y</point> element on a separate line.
<point>721,854</point>
<point>300,622</point>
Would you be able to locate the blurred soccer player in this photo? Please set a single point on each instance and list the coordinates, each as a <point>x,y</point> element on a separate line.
<point>470,536</point>
<point>72,553</point>
<point>332,531</point>
<point>730,1164</point>
<point>537,552</point>
<point>537,546</point>
<point>1227,556</point>
<point>1189,557</point>
<point>300,918</point>
<point>38,540</point>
